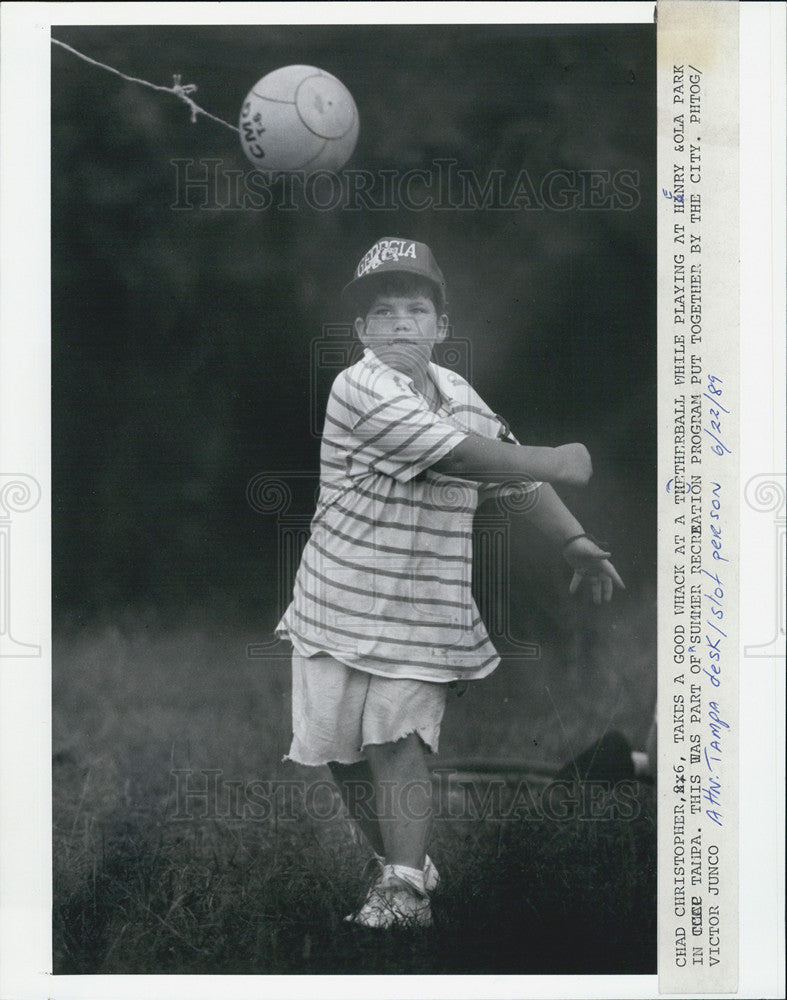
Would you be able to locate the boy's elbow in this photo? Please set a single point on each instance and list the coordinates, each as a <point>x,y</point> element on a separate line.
<point>466,459</point>
<point>452,463</point>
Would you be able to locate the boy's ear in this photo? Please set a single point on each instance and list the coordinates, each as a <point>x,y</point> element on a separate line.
<point>442,327</point>
<point>360,327</point>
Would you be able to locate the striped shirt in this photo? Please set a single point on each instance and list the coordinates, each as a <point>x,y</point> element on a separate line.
<point>384,583</point>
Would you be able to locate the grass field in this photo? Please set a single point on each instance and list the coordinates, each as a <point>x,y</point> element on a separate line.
<point>139,709</point>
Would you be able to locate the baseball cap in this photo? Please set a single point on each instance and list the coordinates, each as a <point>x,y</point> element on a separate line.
<point>396,255</point>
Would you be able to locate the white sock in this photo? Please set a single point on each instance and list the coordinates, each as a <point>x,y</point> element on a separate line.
<point>413,877</point>
<point>381,860</point>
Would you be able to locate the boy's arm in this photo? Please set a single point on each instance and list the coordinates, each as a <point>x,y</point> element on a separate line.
<point>489,460</point>
<point>485,459</point>
<point>588,560</point>
<point>550,515</point>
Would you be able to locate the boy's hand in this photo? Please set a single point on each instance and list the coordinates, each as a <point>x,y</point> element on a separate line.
<point>573,464</point>
<point>591,562</point>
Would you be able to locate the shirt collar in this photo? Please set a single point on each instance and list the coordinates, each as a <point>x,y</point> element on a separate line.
<point>371,359</point>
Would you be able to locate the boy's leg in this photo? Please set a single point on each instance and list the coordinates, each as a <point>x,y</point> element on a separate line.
<point>404,786</point>
<point>357,787</point>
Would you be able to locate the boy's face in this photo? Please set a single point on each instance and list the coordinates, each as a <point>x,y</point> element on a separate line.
<point>402,330</point>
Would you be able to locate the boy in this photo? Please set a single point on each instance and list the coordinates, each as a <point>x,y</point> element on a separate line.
<point>382,618</point>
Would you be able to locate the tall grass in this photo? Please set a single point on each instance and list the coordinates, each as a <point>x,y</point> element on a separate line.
<point>138,890</point>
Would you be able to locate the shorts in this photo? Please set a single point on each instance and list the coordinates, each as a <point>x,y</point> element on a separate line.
<point>338,710</point>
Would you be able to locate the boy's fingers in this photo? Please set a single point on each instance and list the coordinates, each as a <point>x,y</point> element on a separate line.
<point>602,585</point>
<point>602,582</point>
<point>612,574</point>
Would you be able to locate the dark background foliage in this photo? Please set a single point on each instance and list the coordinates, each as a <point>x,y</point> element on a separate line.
<point>182,339</point>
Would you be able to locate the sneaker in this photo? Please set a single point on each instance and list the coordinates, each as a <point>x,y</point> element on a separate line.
<point>431,874</point>
<point>391,902</point>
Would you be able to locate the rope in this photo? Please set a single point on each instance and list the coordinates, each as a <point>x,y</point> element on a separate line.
<point>180,90</point>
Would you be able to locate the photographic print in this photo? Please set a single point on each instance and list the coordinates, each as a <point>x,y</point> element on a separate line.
<point>391,528</point>
<point>223,417</point>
